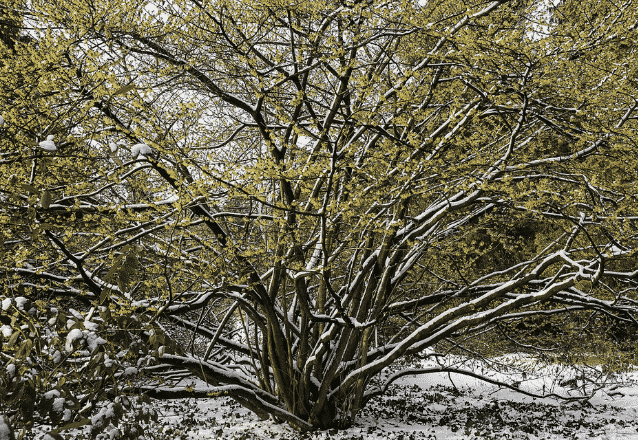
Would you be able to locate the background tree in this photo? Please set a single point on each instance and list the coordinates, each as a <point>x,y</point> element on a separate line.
<point>282,199</point>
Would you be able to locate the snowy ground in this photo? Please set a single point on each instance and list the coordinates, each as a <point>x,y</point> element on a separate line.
<point>438,406</point>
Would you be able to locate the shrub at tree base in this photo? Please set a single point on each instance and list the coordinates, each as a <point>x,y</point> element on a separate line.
<point>281,199</point>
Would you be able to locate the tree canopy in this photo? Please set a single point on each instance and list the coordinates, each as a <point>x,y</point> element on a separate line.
<point>283,198</point>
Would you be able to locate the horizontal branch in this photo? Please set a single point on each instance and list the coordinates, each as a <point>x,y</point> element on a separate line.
<point>418,371</point>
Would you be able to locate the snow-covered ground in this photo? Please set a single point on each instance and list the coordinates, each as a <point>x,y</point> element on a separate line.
<point>439,406</point>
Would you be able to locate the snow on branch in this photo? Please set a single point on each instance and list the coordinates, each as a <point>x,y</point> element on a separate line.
<point>419,371</point>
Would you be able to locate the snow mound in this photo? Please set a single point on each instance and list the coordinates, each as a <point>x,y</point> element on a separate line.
<point>58,405</point>
<point>91,326</point>
<point>94,341</point>
<point>113,146</point>
<point>130,371</point>
<point>141,150</point>
<point>48,145</point>
<point>6,330</point>
<point>57,357</point>
<point>49,395</point>
<point>73,336</point>
<point>21,302</point>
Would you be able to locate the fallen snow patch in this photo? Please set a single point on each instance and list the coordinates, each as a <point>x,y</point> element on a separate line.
<point>5,429</point>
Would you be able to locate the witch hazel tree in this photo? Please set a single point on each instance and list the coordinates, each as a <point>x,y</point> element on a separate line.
<point>350,184</point>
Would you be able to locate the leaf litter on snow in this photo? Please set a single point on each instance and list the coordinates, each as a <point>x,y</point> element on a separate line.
<point>435,406</point>
<point>442,406</point>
